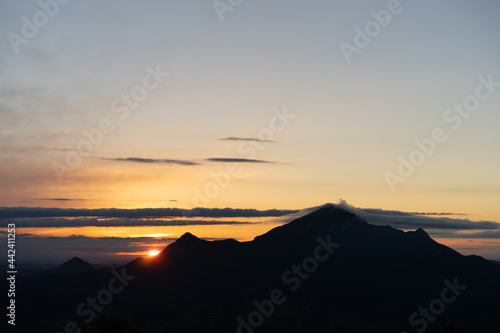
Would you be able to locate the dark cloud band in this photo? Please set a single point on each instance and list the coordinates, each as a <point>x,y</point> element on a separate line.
<point>150,160</point>
<point>108,222</point>
<point>32,212</point>
<point>236,160</point>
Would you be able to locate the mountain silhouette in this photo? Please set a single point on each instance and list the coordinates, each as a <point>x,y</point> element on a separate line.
<point>74,266</point>
<point>328,271</point>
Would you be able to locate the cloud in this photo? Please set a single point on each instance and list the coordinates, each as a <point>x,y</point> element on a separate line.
<point>475,235</point>
<point>237,160</point>
<point>436,226</point>
<point>150,160</point>
<point>59,199</point>
<point>438,214</point>
<point>109,222</point>
<point>232,138</point>
<point>39,212</point>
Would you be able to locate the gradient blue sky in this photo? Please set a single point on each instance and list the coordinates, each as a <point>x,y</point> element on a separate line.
<point>352,120</point>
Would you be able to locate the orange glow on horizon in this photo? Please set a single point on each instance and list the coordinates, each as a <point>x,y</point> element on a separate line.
<point>153,253</point>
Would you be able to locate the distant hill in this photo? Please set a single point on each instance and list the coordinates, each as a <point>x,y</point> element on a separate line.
<point>73,266</point>
<point>328,271</point>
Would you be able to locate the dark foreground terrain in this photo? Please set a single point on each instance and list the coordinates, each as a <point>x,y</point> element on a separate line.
<point>328,271</point>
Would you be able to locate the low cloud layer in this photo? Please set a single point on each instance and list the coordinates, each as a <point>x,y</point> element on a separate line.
<point>436,226</point>
<point>475,235</point>
<point>33,212</point>
<point>108,222</point>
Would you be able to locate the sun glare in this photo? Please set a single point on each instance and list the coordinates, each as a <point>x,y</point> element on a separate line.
<point>153,253</point>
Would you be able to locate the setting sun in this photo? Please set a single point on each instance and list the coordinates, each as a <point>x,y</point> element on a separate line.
<point>153,253</point>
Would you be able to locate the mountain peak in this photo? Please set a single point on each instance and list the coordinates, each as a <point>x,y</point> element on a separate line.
<point>187,240</point>
<point>336,212</point>
<point>421,233</point>
<point>325,220</point>
<point>72,261</point>
<point>75,265</point>
<point>188,237</point>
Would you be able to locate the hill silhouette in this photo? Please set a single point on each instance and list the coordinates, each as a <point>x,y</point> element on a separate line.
<point>74,266</point>
<point>328,271</point>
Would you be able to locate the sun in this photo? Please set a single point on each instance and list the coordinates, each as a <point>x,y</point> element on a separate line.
<point>153,253</point>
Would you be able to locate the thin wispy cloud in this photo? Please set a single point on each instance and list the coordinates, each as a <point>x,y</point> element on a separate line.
<point>438,214</point>
<point>233,138</point>
<point>24,148</point>
<point>150,160</point>
<point>58,199</point>
<point>237,160</point>
<point>475,235</point>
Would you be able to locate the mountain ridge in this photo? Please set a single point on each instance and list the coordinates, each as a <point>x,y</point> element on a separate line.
<point>371,282</point>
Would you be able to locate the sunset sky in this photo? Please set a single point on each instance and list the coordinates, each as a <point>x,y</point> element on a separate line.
<point>184,104</point>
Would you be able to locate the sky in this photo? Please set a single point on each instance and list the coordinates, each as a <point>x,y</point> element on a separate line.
<point>250,104</point>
